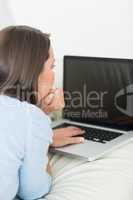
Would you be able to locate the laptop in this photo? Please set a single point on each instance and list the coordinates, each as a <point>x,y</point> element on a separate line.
<point>99,100</point>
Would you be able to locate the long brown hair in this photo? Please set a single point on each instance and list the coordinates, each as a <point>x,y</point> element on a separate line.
<point>23,52</point>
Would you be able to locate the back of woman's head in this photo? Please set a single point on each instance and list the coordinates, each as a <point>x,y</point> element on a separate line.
<point>23,52</point>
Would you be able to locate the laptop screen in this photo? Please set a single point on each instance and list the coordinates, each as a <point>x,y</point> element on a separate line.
<point>99,91</point>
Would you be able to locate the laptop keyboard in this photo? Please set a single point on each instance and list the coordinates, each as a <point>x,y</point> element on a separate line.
<point>95,135</point>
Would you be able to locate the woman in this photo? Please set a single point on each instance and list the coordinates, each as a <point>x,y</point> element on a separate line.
<point>26,97</point>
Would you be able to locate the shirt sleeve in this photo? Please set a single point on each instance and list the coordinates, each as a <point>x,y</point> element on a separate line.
<point>34,179</point>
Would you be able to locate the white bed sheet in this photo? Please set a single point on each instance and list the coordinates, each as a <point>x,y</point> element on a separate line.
<point>109,178</point>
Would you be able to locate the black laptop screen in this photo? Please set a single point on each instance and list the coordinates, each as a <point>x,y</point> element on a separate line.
<point>99,91</point>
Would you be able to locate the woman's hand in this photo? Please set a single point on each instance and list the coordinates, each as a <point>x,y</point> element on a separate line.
<point>54,101</point>
<point>65,136</point>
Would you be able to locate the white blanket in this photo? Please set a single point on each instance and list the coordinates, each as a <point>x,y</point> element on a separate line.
<point>109,178</point>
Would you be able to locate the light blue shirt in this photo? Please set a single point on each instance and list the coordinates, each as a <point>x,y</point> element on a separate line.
<point>25,135</point>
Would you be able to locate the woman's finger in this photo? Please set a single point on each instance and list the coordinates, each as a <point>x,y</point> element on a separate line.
<point>54,100</point>
<point>49,99</point>
<point>74,140</point>
<point>73,127</point>
<point>73,131</point>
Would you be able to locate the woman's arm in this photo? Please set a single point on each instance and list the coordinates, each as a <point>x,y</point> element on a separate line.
<point>34,179</point>
<point>63,136</point>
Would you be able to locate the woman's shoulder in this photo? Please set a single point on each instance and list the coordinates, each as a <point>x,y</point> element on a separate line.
<point>14,104</point>
<point>12,107</point>
<point>24,114</point>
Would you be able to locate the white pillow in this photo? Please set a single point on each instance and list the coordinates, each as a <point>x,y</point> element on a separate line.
<point>108,178</point>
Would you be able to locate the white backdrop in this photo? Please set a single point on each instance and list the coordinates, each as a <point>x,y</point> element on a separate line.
<point>83,27</point>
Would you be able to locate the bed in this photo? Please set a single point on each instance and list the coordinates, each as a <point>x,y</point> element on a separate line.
<point>108,178</point>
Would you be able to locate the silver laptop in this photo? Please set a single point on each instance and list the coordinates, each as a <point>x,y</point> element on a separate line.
<point>99,100</point>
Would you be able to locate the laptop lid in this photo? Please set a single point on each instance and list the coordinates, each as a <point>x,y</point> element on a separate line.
<point>99,91</point>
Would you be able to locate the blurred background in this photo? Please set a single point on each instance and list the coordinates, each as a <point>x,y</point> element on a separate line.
<point>83,27</point>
